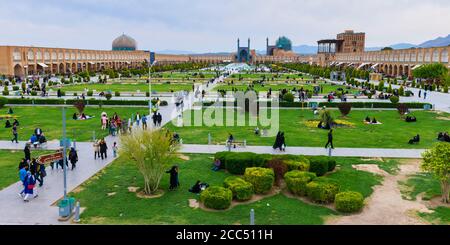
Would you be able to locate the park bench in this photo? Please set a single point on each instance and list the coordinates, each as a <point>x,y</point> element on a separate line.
<point>236,143</point>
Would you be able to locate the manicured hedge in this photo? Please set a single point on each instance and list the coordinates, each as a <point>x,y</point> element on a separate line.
<point>296,181</point>
<point>349,201</point>
<point>261,178</point>
<point>322,190</point>
<point>3,101</point>
<point>216,197</point>
<point>413,105</point>
<point>27,101</point>
<point>300,164</point>
<point>237,162</point>
<point>241,189</point>
<point>318,165</point>
<point>330,161</point>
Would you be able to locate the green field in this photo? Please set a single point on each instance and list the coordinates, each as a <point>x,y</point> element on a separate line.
<point>9,162</point>
<point>184,75</point>
<point>392,133</point>
<point>123,207</point>
<point>327,88</point>
<point>49,120</point>
<point>270,76</point>
<point>127,87</point>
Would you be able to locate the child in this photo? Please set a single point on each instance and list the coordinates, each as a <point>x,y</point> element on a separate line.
<point>115,148</point>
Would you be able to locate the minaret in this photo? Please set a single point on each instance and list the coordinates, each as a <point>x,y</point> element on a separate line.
<point>249,50</point>
<point>267,46</point>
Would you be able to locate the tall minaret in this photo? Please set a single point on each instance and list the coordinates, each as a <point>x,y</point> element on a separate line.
<point>238,43</point>
<point>267,46</point>
<point>249,50</point>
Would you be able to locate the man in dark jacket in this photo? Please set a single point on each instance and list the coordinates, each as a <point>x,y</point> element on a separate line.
<point>103,149</point>
<point>330,139</point>
<point>73,157</point>
<point>27,152</point>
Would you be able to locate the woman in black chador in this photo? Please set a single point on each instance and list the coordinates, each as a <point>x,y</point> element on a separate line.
<point>173,178</point>
<point>278,142</point>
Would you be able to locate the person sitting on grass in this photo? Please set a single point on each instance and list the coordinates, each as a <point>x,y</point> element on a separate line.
<point>10,111</point>
<point>256,131</point>
<point>217,164</point>
<point>198,187</point>
<point>367,119</point>
<point>411,119</point>
<point>8,124</point>
<point>443,137</point>
<point>415,139</point>
<point>75,116</point>
<point>374,121</point>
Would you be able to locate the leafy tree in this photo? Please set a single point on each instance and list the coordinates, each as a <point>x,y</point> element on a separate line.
<point>153,151</point>
<point>326,117</point>
<point>79,104</point>
<point>437,161</point>
<point>345,108</point>
<point>434,73</point>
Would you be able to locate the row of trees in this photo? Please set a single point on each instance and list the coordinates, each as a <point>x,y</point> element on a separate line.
<point>316,70</point>
<point>436,73</point>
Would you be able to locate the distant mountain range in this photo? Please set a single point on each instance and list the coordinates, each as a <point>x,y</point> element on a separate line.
<point>312,49</point>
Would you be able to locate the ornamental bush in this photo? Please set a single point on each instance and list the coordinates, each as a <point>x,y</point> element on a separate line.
<point>117,94</point>
<point>89,93</point>
<point>261,178</point>
<point>288,97</point>
<point>216,197</point>
<point>108,96</point>
<point>241,189</point>
<point>5,91</point>
<point>237,162</point>
<point>319,165</point>
<point>3,101</point>
<point>301,164</point>
<point>322,190</point>
<point>33,93</point>
<point>349,201</point>
<point>394,99</point>
<point>15,88</point>
<point>296,181</point>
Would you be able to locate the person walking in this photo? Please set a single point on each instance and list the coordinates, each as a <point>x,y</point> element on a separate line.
<point>103,149</point>
<point>144,122</point>
<point>115,149</point>
<point>155,119</point>
<point>425,95</point>
<point>330,139</point>
<point>14,132</point>
<point>73,157</point>
<point>420,92</point>
<point>41,173</point>
<point>96,149</point>
<point>29,183</point>
<point>159,119</point>
<point>174,183</point>
<point>27,152</point>
<point>22,175</point>
<point>138,118</point>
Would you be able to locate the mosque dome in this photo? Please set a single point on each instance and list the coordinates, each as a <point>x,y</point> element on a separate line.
<point>124,42</point>
<point>284,43</point>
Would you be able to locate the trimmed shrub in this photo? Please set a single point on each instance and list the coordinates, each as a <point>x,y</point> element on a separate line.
<point>237,162</point>
<point>322,190</point>
<point>3,101</point>
<point>241,189</point>
<point>261,178</point>
<point>394,99</point>
<point>288,97</point>
<point>63,93</point>
<point>349,201</point>
<point>216,197</point>
<point>296,181</point>
<point>445,89</point>
<point>298,164</point>
<point>5,91</point>
<point>75,94</point>
<point>15,88</point>
<point>33,93</point>
<point>413,105</point>
<point>345,108</point>
<point>318,165</point>
<point>117,94</point>
<point>279,169</point>
<point>108,96</point>
<point>401,91</point>
<point>89,93</point>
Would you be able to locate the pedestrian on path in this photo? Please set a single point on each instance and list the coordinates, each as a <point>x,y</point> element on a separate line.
<point>27,152</point>
<point>138,118</point>
<point>330,139</point>
<point>73,157</point>
<point>420,92</point>
<point>41,173</point>
<point>155,119</point>
<point>115,149</point>
<point>96,149</point>
<point>22,175</point>
<point>29,184</point>
<point>14,132</point>
<point>425,95</point>
<point>159,119</point>
<point>144,122</point>
<point>103,149</point>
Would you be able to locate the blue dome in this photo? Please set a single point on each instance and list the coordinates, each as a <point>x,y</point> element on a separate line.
<point>124,42</point>
<point>284,43</point>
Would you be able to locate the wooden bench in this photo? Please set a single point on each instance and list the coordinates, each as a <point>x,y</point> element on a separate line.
<point>236,143</point>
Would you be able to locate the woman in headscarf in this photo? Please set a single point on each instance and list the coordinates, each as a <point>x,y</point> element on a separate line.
<point>277,143</point>
<point>173,177</point>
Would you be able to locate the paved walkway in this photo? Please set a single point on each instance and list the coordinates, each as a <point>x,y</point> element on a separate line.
<point>311,151</point>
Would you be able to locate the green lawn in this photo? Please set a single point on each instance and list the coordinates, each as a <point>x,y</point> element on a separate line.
<point>420,183</point>
<point>327,88</point>
<point>128,87</point>
<point>440,216</point>
<point>184,75</point>
<point>269,76</point>
<point>123,207</point>
<point>9,162</point>
<point>49,120</point>
<point>392,133</point>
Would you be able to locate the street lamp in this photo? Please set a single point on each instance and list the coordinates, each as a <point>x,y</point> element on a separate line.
<point>150,85</point>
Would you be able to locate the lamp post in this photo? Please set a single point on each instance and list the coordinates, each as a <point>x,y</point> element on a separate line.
<point>150,86</point>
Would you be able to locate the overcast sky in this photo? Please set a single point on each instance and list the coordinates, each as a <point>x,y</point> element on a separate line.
<point>214,25</point>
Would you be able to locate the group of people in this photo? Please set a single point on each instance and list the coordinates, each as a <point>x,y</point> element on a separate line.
<point>280,142</point>
<point>30,172</point>
<point>157,119</point>
<point>101,149</point>
<point>414,140</point>
<point>174,182</point>
<point>369,121</point>
<point>37,138</point>
<point>443,137</point>
<point>411,119</point>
